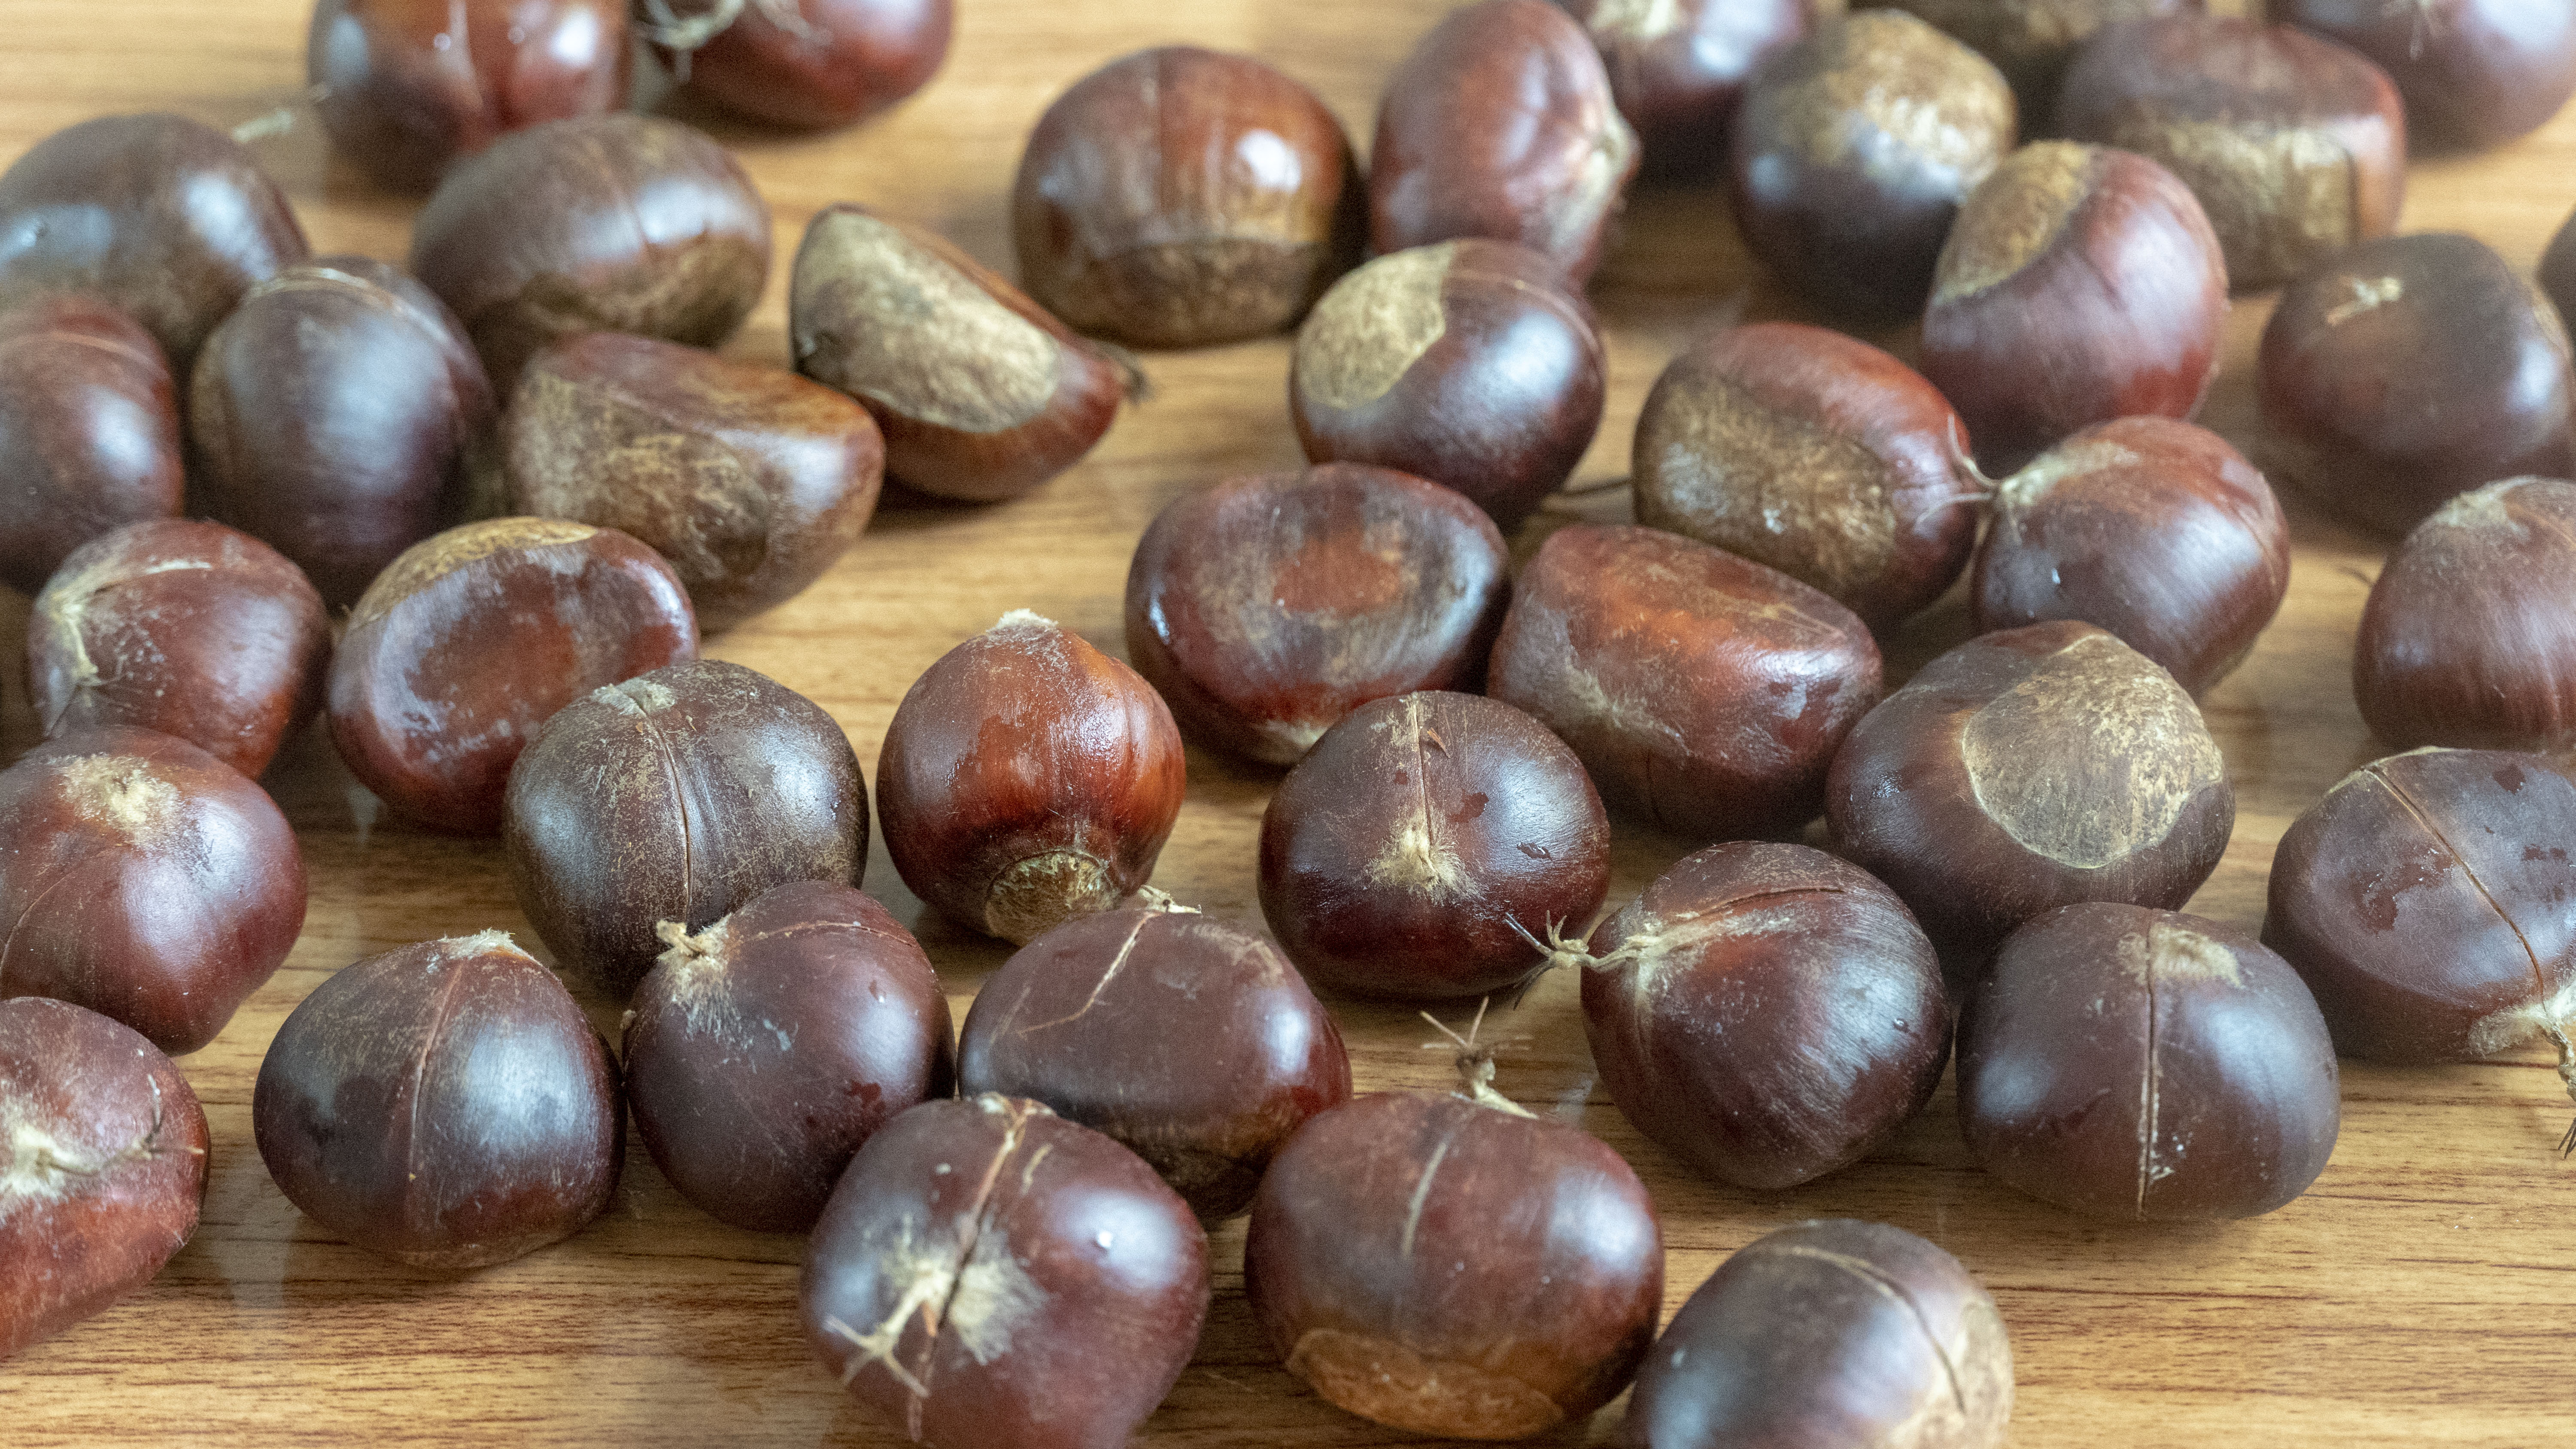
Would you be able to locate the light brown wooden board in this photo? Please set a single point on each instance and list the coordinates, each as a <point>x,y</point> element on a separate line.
<point>2417,1294</point>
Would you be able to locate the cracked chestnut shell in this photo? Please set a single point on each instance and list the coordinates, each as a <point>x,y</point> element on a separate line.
<point>2033,41</point>
<point>2460,640</point>
<point>89,432</point>
<point>2473,72</point>
<point>1678,67</point>
<point>838,61</point>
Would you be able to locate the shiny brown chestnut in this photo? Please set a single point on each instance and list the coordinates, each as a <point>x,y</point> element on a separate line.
<point>2461,639</point>
<point>2409,370</point>
<point>192,629</point>
<point>2474,72</point>
<point>144,879</point>
<point>1194,1044</point>
<point>1461,362</point>
<point>2032,41</point>
<point>2154,529</point>
<point>763,1051</point>
<point>1500,123</point>
<point>1678,67</point>
<point>102,1170</point>
<point>333,415</point>
<point>1028,778</point>
<point>2081,284</point>
<point>1832,1333</point>
<point>466,644</point>
<point>988,1273</point>
<point>1266,608</point>
<point>89,432</point>
<point>806,64</point>
<point>1703,692</point>
<point>749,479</point>
<point>981,394</point>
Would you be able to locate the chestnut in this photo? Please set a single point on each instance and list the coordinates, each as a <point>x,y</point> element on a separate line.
<point>2557,271</point>
<point>988,1274</point>
<point>1421,837</point>
<point>764,1050</point>
<point>806,64</point>
<point>192,629</point>
<point>614,223</point>
<point>2080,284</point>
<point>333,414</point>
<point>1835,1332</point>
<point>2154,529</point>
<point>1500,123</point>
<point>473,638</point>
<point>1181,197</point>
<point>2460,641</point>
<point>1851,152</point>
<point>1678,67</point>
<point>1702,691</point>
<point>1194,1044</point>
<point>678,795</point>
<point>1264,609</point>
<point>749,479</point>
<point>444,1104</point>
<point>1814,453</point>
<point>2295,145</point>
<point>144,879</point>
<point>2031,41</point>
<point>2473,72</point>
<point>89,432</point>
<point>981,395</point>
<point>1028,778</point>
<point>2027,770</point>
<point>1461,362</point>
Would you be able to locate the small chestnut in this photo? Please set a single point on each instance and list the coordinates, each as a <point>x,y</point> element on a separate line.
<point>2466,626</point>
<point>806,64</point>
<point>89,432</point>
<point>1678,67</point>
<point>2032,41</point>
<point>2474,72</point>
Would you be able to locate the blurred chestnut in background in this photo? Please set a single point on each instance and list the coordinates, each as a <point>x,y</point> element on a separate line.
<point>2031,41</point>
<point>1181,197</point>
<point>802,63</point>
<point>2557,271</point>
<point>1264,609</point>
<point>764,1050</point>
<point>2473,72</point>
<point>1460,362</point>
<point>2408,370</point>
<point>89,432</point>
<point>2468,627</point>
<point>1702,691</point>
<point>1678,67</point>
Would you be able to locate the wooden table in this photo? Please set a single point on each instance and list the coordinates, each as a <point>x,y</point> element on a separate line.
<point>2415,1294</point>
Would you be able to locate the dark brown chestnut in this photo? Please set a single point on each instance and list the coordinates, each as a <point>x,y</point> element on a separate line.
<point>1702,691</point>
<point>466,644</point>
<point>89,432</point>
<point>1460,362</point>
<point>192,629</point>
<point>2032,41</point>
<point>803,63</point>
<point>2460,642</point>
<point>1500,123</point>
<point>1266,608</point>
<point>1678,67</point>
<point>981,394</point>
<point>989,1274</point>
<point>1194,1044</point>
<point>332,415</point>
<point>749,479</point>
<point>2473,72</point>
<point>764,1050</point>
<point>1028,778</point>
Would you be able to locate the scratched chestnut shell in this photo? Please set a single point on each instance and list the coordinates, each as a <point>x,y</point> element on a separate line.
<point>849,60</point>
<point>89,432</point>
<point>2473,72</point>
<point>2466,625</point>
<point>1678,67</point>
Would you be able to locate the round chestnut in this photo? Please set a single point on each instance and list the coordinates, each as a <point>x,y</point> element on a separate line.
<point>2473,72</point>
<point>2032,41</point>
<point>1678,67</point>
<point>806,64</point>
<point>1702,691</point>
<point>2461,639</point>
<point>989,1274</point>
<point>1266,608</point>
<point>1460,362</point>
<point>763,1051</point>
<point>89,432</point>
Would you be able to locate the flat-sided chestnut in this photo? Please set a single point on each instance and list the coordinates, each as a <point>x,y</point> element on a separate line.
<point>2461,641</point>
<point>988,1274</point>
<point>89,432</point>
<point>192,629</point>
<point>981,394</point>
<point>2081,284</point>
<point>749,479</point>
<point>678,795</point>
<point>102,1168</point>
<point>2154,529</point>
<point>1028,778</point>
<point>1702,691</point>
<point>1678,67</point>
<point>764,1050</point>
<point>1266,608</point>
<point>2028,770</point>
<point>444,1104</point>
<point>1461,362</point>
<point>1500,123</point>
<point>2295,145</point>
<point>1814,453</point>
<point>1411,850</point>
<point>144,879</point>
<point>1851,152</point>
<point>466,644</point>
<point>1181,197</point>
<point>2473,72</point>
<point>1849,1334</point>
<point>332,414</point>
<point>2032,41</point>
<point>806,63</point>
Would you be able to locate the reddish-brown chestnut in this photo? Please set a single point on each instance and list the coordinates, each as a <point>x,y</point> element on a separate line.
<point>764,1050</point>
<point>1678,67</point>
<point>89,432</point>
<point>2462,639</point>
<point>805,63</point>
<point>2032,41</point>
<point>2473,72</point>
<point>989,1274</point>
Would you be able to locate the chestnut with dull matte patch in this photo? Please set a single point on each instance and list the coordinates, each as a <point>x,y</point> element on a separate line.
<point>806,63</point>
<point>2461,641</point>
<point>1678,67</point>
<point>2473,72</point>
<point>89,432</point>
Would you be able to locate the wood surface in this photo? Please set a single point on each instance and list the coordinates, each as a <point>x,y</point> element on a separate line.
<point>2414,1295</point>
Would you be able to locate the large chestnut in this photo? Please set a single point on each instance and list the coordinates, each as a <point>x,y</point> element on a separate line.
<point>89,432</point>
<point>2473,72</point>
<point>1678,67</point>
<point>2468,620</point>
<point>2032,41</point>
<point>804,63</point>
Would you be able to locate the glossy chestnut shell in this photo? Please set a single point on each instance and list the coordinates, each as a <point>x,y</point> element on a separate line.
<point>2032,41</point>
<point>89,432</point>
<point>815,63</point>
<point>2473,72</point>
<point>2459,642</point>
<point>1677,69</point>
